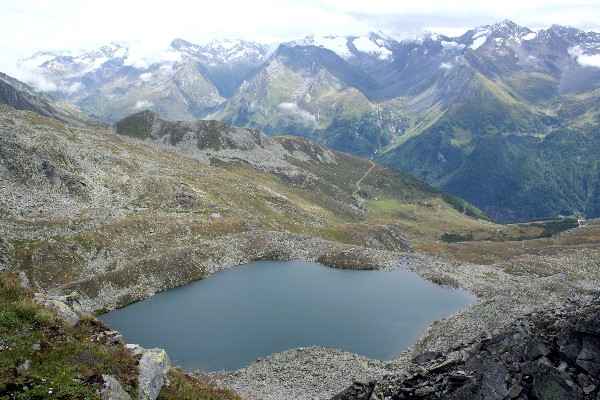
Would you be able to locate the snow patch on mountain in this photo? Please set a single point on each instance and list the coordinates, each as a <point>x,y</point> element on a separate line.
<point>120,53</point>
<point>529,36</point>
<point>37,60</point>
<point>480,40</point>
<point>481,33</point>
<point>370,46</point>
<point>225,51</point>
<point>337,44</point>
<point>449,45</point>
<point>223,44</point>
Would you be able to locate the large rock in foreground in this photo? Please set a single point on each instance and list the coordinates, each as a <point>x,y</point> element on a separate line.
<point>154,366</point>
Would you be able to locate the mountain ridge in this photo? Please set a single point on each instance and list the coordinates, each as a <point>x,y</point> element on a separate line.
<point>421,106</point>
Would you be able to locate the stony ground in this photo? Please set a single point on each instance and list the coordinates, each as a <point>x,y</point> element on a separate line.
<point>550,354</point>
<point>321,372</point>
<point>117,221</point>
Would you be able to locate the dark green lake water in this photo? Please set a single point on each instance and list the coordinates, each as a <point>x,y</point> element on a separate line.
<point>230,319</point>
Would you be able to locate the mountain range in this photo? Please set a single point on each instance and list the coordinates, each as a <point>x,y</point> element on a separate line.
<point>502,116</point>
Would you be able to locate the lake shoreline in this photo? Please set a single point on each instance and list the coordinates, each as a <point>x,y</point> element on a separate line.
<point>238,315</point>
<point>502,298</point>
<point>317,372</point>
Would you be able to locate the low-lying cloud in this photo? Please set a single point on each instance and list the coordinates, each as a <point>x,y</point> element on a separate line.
<point>75,87</point>
<point>585,60</point>
<point>146,76</point>
<point>142,104</point>
<point>294,109</point>
<point>35,79</point>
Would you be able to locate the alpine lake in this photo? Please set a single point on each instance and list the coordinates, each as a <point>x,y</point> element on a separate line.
<point>230,319</point>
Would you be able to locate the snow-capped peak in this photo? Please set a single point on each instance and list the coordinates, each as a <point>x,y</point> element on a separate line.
<point>377,43</point>
<point>185,46</point>
<point>337,44</point>
<point>228,50</point>
<point>223,44</point>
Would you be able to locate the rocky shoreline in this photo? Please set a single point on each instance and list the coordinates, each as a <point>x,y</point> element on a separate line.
<point>502,298</point>
<point>317,372</point>
<point>550,354</point>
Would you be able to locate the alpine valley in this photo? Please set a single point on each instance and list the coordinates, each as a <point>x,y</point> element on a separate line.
<point>134,176</point>
<point>501,116</point>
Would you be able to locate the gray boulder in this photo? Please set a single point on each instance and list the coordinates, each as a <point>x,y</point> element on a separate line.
<point>153,369</point>
<point>112,389</point>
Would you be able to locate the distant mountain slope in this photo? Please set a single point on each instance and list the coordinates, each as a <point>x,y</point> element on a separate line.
<point>185,82</point>
<point>520,138</point>
<point>432,106</point>
<point>22,97</point>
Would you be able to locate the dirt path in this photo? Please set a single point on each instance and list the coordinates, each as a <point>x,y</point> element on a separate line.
<point>364,176</point>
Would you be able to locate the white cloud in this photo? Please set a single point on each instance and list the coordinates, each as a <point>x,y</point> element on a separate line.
<point>142,104</point>
<point>585,60</point>
<point>32,25</point>
<point>34,78</point>
<point>143,54</point>
<point>589,61</point>
<point>294,109</point>
<point>288,106</point>
<point>41,84</point>
<point>75,87</point>
<point>446,65</point>
<point>146,76</point>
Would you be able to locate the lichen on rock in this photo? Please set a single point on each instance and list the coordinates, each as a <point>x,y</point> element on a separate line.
<point>153,368</point>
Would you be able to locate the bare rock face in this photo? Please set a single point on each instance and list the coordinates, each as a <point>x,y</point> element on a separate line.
<point>153,368</point>
<point>66,306</point>
<point>112,389</point>
<point>551,354</point>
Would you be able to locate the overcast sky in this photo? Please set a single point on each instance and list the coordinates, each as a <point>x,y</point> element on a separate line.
<point>28,26</point>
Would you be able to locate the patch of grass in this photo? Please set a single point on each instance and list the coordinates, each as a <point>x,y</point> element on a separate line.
<point>384,206</point>
<point>551,228</point>
<point>456,237</point>
<point>42,357</point>
<point>461,137</point>
<point>183,387</point>
<point>23,251</point>
<point>491,276</point>
<point>335,234</point>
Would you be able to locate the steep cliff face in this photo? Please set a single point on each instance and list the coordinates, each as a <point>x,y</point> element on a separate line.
<point>552,354</point>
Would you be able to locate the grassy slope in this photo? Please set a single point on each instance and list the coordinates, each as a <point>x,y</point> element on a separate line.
<point>64,362</point>
<point>503,149</point>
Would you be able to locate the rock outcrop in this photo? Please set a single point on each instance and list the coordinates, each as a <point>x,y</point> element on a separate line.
<point>546,355</point>
<point>153,368</point>
<point>112,389</point>
<point>67,307</point>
